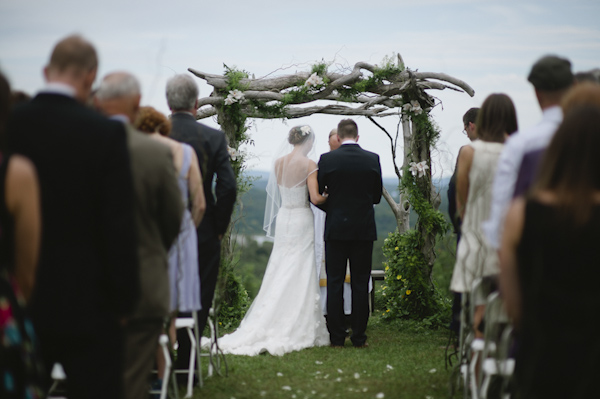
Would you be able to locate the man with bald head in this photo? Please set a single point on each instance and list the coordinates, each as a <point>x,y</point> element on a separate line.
<point>87,278</point>
<point>158,211</point>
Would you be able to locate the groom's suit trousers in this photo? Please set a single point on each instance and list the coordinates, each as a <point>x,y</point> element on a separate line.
<point>359,253</point>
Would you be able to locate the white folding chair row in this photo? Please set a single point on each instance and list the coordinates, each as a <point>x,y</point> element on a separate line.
<point>498,336</point>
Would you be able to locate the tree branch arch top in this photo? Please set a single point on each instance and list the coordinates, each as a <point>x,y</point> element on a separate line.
<point>378,100</point>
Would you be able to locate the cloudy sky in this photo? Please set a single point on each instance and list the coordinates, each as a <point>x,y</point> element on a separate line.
<point>489,44</point>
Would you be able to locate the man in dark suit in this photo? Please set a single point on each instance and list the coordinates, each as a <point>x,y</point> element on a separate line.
<point>87,279</point>
<point>211,148</point>
<point>158,212</point>
<point>352,178</point>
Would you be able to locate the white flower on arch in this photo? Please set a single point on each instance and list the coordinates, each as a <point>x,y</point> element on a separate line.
<point>418,168</point>
<point>233,97</point>
<point>314,80</point>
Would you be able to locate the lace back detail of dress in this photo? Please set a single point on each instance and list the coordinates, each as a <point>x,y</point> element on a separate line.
<point>294,197</point>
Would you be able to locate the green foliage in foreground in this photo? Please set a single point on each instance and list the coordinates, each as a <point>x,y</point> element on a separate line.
<point>401,362</point>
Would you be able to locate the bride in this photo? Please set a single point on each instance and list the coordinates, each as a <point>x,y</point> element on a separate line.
<point>286,314</point>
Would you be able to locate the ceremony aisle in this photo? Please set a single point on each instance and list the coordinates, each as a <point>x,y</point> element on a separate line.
<point>399,363</point>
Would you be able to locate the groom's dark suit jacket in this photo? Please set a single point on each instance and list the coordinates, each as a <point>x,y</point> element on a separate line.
<point>353,180</point>
<point>88,270</point>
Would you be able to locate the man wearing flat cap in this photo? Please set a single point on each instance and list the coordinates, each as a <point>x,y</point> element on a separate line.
<point>551,77</point>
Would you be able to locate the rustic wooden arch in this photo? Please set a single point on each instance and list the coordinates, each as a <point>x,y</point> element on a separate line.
<point>386,98</point>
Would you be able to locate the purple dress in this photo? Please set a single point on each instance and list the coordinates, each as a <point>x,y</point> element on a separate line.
<point>184,278</point>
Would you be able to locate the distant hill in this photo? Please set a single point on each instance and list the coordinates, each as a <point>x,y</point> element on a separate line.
<point>253,206</point>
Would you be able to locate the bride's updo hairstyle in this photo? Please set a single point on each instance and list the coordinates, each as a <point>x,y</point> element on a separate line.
<point>299,134</point>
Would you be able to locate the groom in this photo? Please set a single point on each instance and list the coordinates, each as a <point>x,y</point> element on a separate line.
<point>352,178</point>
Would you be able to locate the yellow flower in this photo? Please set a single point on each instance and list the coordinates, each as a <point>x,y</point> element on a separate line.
<point>384,287</point>
<point>387,268</point>
<point>387,310</point>
<point>396,248</point>
<point>398,277</point>
<point>408,292</point>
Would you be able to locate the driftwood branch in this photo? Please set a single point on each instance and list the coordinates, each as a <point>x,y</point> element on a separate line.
<point>387,94</point>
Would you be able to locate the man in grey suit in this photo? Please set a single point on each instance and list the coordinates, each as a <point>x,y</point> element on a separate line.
<point>211,148</point>
<point>158,210</point>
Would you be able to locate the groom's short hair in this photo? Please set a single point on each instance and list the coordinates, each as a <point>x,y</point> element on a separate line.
<point>347,128</point>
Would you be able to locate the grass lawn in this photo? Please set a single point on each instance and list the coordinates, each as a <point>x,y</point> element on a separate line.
<point>399,363</point>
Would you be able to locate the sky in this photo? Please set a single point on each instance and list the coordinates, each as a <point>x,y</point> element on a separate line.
<point>491,45</point>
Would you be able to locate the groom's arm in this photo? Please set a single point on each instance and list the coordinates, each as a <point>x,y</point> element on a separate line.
<point>378,189</point>
<point>321,179</point>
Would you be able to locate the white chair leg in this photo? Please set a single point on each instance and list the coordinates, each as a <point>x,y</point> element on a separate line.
<point>193,352</point>
<point>164,342</point>
<point>198,341</point>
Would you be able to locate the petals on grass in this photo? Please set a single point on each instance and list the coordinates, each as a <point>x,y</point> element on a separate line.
<point>432,371</point>
<point>279,374</point>
<point>286,388</point>
<point>318,362</point>
<point>380,395</point>
<point>357,375</point>
<point>339,379</point>
<point>340,371</point>
<point>389,367</point>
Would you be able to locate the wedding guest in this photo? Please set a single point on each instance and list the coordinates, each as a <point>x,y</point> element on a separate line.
<point>477,162</point>
<point>548,265</point>
<point>470,130</point>
<point>158,214</point>
<point>183,256</point>
<point>20,228</point>
<point>87,278</point>
<point>210,146</point>
<point>581,93</point>
<point>551,78</point>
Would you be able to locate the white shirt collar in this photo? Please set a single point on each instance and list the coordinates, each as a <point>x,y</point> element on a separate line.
<point>554,113</point>
<point>59,88</point>
<point>350,142</point>
<point>120,117</point>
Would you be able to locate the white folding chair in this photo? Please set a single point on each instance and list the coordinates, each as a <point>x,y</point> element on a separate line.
<point>190,324</point>
<point>163,341</point>
<point>498,335</point>
<point>58,376</point>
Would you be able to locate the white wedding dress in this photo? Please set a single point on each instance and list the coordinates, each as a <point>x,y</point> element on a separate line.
<point>286,314</point>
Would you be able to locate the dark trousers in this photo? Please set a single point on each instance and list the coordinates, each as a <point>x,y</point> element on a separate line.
<point>337,255</point>
<point>209,258</point>
<point>141,342</point>
<point>93,362</point>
